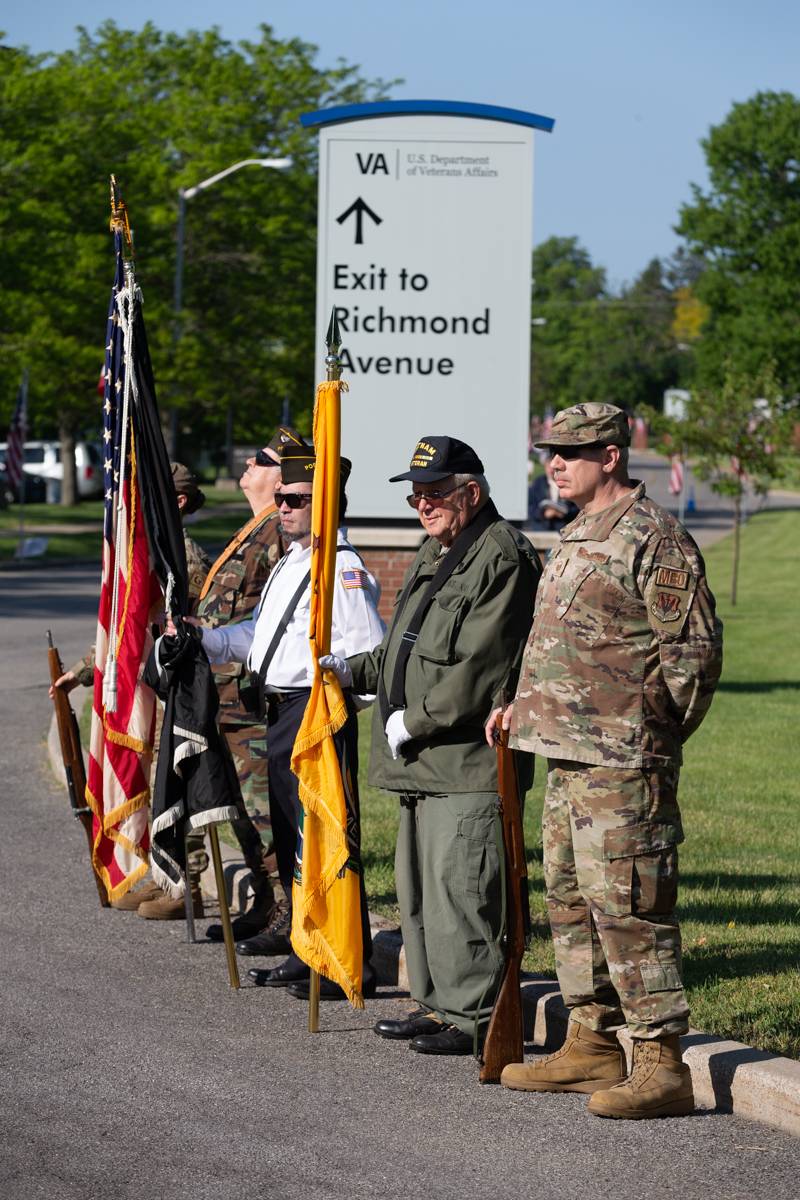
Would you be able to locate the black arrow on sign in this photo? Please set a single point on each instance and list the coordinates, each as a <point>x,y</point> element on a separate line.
<point>359,207</point>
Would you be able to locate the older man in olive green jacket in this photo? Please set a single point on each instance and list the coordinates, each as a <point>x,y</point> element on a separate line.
<point>454,645</point>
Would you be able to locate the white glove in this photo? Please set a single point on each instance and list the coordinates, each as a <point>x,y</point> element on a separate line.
<point>339,666</point>
<point>396,733</point>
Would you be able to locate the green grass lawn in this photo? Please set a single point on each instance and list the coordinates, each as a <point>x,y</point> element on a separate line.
<point>740,864</point>
<point>82,540</point>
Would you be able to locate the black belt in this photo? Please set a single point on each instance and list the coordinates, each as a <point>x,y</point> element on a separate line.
<point>289,694</point>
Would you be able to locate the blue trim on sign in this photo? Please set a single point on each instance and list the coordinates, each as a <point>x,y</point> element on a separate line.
<point>450,108</point>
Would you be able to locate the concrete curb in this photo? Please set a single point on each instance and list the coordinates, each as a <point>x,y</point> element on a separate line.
<point>726,1075</point>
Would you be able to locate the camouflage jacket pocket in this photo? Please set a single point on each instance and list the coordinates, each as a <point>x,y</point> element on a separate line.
<point>640,871</point>
<point>589,603</point>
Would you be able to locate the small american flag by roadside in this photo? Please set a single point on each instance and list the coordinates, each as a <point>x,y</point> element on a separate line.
<point>18,431</point>
<point>676,475</point>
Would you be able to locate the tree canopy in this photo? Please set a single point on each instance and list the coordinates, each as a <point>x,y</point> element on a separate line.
<point>746,229</point>
<point>594,345</point>
<point>163,111</point>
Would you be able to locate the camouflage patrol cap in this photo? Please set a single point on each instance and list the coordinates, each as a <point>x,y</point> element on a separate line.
<point>588,425</point>
<point>186,484</point>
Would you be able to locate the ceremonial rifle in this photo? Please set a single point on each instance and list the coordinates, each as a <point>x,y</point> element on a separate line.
<point>504,1037</point>
<point>70,739</point>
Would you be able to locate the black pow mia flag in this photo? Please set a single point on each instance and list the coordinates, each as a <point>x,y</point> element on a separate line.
<point>193,786</point>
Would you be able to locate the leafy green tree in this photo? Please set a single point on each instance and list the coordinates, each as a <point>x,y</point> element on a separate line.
<point>163,111</point>
<point>592,344</point>
<point>746,228</point>
<point>734,435</point>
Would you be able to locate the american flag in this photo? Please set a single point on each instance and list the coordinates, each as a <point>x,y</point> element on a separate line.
<point>676,475</point>
<point>120,752</point>
<point>18,431</point>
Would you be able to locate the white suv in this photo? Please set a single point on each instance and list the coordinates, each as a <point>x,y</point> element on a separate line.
<point>43,465</point>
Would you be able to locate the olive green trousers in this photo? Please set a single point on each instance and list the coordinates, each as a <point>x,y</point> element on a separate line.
<point>450,889</point>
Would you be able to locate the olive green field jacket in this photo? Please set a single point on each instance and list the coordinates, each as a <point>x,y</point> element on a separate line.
<point>468,651</point>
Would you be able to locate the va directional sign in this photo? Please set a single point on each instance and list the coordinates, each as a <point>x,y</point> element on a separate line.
<point>424,249</point>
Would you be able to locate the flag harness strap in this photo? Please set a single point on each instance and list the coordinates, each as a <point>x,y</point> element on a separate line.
<point>396,698</point>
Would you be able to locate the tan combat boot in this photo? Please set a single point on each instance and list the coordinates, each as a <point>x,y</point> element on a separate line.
<point>165,908</point>
<point>588,1060</point>
<point>131,900</point>
<point>659,1085</point>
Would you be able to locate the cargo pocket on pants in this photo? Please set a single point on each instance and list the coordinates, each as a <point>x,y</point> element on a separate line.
<point>473,840</point>
<point>640,869</point>
<point>660,977</point>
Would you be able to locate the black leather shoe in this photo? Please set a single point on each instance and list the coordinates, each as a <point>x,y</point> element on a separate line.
<point>449,1040</point>
<point>328,990</point>
<point>274,939</point>
<point>418,1021</point>
<point>291,971</point>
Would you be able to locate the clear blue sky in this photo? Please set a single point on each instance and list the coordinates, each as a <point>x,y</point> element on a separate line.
<point>633,84</point>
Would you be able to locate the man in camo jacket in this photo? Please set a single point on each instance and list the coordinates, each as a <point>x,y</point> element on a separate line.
<point>620,667</point>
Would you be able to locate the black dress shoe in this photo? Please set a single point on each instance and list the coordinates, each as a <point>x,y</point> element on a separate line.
<point>418,1021</point>
<point>291,971</point>
<point>328,990</point>
<point>449,1040</point>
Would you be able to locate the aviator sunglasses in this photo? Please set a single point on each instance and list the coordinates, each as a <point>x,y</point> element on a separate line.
<point>291,500</point>
<point>433,496</point>
<point>262,459</point>
<point>570,452</point>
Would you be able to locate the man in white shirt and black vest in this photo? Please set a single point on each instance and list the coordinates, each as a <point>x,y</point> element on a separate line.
<point>274,644</point>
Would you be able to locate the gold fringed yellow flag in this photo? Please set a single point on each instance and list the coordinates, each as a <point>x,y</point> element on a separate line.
<point>326,921</point>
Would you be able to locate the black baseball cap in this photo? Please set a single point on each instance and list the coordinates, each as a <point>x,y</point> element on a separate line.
<point>435,458</point>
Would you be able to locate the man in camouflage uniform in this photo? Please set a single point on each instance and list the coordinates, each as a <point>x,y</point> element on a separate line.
<point>620,667</point>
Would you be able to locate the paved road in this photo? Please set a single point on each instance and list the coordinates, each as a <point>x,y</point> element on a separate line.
<point>711,516</point>
<point>130,1068</point>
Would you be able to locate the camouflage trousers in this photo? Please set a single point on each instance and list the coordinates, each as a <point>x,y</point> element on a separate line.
<point>610,841</point>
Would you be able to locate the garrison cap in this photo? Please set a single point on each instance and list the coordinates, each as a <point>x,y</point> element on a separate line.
<point>588,425</point>
<point>435,458</point>
<point>298,462</point>
<point>285,438</point>
<point>186,484</point>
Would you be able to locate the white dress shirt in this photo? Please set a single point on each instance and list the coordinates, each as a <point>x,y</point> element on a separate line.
<point>356,626</point>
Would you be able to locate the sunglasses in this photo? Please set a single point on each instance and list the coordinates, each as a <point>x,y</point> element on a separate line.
<point>262,459</point>
<point>291,499</point>
<point>568,453</point>
<point>433,496</point>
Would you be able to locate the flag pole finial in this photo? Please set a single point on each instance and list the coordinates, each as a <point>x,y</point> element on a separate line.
<point>119,222</point>
<point>333,341</point>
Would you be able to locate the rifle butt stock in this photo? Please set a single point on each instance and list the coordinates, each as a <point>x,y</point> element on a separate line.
<point>69,738</point>
<point>504,1041</point>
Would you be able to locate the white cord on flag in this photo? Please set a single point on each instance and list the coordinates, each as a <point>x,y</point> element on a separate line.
<point>125,305</point>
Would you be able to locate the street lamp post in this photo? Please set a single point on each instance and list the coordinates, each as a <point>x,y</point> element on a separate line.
<point>184,194</point>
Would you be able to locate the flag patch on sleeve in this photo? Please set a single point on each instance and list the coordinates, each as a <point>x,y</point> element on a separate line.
<point>353,577</point>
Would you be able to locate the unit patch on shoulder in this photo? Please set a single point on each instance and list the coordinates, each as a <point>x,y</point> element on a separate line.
<point>666,607</point>
<point>672,577</point>
<point>353,577</point>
